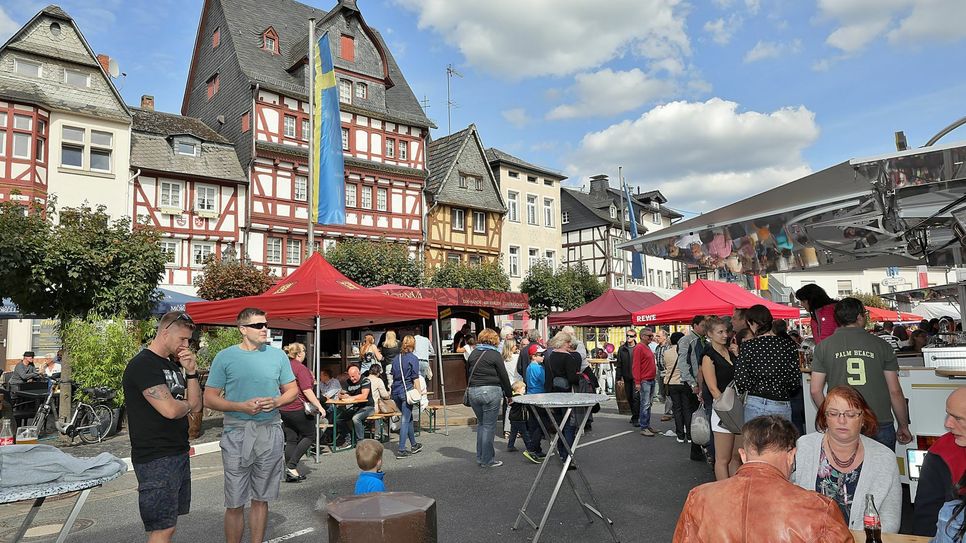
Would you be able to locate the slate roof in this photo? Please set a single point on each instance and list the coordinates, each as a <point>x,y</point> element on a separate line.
<point>442,152</point>
<point>600,208</point>
<point>495,155</point>
<point>442,183</point>
<point>247,19</point>
<point>31,93</point>
<point>151,147</point>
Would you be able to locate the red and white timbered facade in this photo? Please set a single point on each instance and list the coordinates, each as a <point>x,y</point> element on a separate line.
<point>23,152</point>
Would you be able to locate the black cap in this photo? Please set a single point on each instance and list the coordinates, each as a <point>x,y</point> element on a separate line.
<point>28,354</point>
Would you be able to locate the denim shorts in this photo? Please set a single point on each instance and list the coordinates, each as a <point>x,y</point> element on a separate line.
<point>756,406</point>
<point>164,491</point>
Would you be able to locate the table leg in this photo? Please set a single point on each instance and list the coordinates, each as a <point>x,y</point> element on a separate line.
<point>318,437</point>
<point>28,519</point>
<point>543,466</point>
<point>335,424</point>
<point>78,505</point>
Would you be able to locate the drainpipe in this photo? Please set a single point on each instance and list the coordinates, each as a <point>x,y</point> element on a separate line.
<point>249,191</point>
<point>130,183</point>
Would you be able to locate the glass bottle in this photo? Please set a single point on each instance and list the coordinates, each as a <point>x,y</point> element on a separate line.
<point>871,521</point>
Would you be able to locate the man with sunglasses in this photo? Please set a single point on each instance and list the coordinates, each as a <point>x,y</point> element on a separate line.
<point>625,372</point>
<point>251,374</point>
<point>160,389</point>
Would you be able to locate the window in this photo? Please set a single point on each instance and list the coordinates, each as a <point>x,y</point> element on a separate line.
<point>479,222</point>
<point>39,154</point>
<point>534,257</point>
<point>270,43</point>
<point>273,251</point>
<point>367,197</point>
<point>21,140</point>
<point>77,78</point>
<point>390,148</point>
<point>293,252</point>
<point>513,204</point>
<point>667,279</point>
<point>206,198</point>
<point>22,122</point>
<point>565,217</point>
<point>458,220</point>
<point>186,148</point>
<point>345,91</point>
<point>101,149</point>
<point>214,82</point>
<point>200,251</point>
<point>403,150</point>
<point>513,174</point>
<point>301,191</point>
<point>270,40</point>
<point>655,218</point>
<point>548,182</point>
<point>362,90</point>
<point>170,248</point>
<point>613,212</point>
<point>475,260</point>
<point>614,242</point>
<point>170,194</point>
<point>350,196</point>
<point>246,120</point>
<point>514,264</point>
<point>288,126</point>
<point>72,148</point>
<point>463,181</point>
<point>844,287</point>
<point>216,38</point>
<point>347,48</point>
<point>479,183</point>
<point>551,257</point>
<point>28,68</point>
<point>381,199</point>
<point>531,209</point>
<point>548,212</point>
<point>345,139</point>
<point>453,257</point>
<point>305,130</point>
<point>531,179</point>
<point>650,276</point>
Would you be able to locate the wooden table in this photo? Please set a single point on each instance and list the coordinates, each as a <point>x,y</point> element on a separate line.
<point>335,403</point>
<point>859,536</point>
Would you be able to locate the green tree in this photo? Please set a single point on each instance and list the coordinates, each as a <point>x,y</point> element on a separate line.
<point>578,286</point>
<point>486,276</point>
<point>542,287</point>
<point>232,277</point>
<point>101,348</point>
<point>214,340</point>
<point>374,263</point>
<point>870,300</point>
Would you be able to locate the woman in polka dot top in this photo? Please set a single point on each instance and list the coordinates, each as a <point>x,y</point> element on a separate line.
<point>767,368</point>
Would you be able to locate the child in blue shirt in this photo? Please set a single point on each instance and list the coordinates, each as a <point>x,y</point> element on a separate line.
<point>535,384</point>
<point>369,458</point>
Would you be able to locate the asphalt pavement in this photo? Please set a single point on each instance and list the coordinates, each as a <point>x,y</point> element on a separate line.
<point>640,482</point>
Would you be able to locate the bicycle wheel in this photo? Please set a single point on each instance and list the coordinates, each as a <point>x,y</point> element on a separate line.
<point>93,422</point>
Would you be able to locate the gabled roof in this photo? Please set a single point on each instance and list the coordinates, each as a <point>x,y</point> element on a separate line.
<point>171,124</point>
<point>640,202</point>
<point>444,155</point>
<point>494,155</point>
<point>600,207</point>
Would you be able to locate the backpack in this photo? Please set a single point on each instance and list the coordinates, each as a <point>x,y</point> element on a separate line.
<point>585,385</point>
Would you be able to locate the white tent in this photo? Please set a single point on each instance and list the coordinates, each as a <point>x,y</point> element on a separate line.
<point>937,310</point>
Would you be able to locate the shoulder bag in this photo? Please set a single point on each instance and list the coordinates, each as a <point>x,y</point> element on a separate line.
<point>466,393</point>
<point>700,428</point>
<point>413,395</point>
<point>730,407</point>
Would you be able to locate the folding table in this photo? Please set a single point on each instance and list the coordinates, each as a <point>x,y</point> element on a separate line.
<point>570,402</point>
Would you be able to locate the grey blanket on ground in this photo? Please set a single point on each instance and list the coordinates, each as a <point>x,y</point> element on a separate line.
<point>42,464</point>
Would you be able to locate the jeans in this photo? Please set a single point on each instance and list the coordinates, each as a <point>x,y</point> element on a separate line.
<point>359,421</point>
<point>756,406</point>
<point>406,430</point>
<point>647,392</point>
<point>569,428</point>
<point>886,435</point>
<point>633,399</point>
<point>485,402</point>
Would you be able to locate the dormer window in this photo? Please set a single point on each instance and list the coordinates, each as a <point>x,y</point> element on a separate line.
<point>613,212</point>
<point>270,41</point>
<point>186,147</point>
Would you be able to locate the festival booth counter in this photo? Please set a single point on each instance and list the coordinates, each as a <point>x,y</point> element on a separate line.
<point>478,306</point>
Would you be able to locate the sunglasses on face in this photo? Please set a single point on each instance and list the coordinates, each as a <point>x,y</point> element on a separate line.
<point>255,325</point>
<point>183,317</point>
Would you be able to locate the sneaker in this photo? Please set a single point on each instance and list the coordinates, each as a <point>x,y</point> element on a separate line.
<point>647,432</point>
<point>401,455</point>
<point>416,448</point>
<point>493,464</point>
<point>669,433</point>
<point>512,449</point>
<point>533,457</point>
<point>666,418</point>
<point>680,439</point>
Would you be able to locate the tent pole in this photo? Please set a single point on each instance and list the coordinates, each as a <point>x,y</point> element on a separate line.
<point>318,371</point>
<point>439,365</point>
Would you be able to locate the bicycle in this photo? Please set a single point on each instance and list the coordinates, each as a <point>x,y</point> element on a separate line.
<point>90,422</point>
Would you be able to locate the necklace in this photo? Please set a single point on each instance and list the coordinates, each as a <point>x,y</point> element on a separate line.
<point>846,463</point>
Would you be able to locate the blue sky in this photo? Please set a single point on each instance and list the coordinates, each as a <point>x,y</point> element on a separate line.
<point>709,101</point>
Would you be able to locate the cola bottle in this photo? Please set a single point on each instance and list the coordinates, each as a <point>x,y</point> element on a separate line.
<point>6,433</point>
<point>871,521</point>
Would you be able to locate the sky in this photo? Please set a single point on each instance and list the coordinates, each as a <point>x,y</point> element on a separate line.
<point>709,101</point>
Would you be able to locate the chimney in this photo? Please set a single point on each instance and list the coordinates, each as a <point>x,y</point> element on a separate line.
<point>147,102</point>
<point>105,62</point>
<point>599,185</point>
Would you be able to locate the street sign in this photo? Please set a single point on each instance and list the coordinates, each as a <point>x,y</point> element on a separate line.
<point>892,281</point>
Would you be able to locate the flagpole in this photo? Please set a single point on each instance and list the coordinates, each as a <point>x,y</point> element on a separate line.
<point>620,176</point>
<point>310,188</point>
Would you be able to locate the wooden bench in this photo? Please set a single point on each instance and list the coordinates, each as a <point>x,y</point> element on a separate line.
<point>433,410</point>
<point>384,433</point>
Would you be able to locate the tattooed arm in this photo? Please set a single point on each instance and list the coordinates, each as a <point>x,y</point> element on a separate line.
<point>161,400</point>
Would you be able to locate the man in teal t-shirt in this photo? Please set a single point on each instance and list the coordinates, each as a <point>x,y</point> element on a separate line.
<point>256,379</point>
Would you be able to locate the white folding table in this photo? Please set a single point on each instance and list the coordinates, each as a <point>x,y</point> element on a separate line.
<point>579,406</point>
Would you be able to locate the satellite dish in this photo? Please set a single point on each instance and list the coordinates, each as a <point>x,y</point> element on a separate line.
<point>113,68</point>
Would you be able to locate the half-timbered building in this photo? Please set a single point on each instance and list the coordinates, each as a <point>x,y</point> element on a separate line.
<point>466,209</point>
<point>248,80</point>
<point>594,223</point>
<point>189,185</point>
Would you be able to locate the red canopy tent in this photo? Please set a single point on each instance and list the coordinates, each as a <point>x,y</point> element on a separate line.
<point>705,297</point>
<point>880,315</point>
<point>463,299</point>
<point>317,291</point>
<point>613,308</point>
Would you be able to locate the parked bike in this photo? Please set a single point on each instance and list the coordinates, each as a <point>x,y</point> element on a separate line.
<point>91,422</point>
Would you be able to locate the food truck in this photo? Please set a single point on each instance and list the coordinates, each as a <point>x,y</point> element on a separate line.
<point>901,209</point>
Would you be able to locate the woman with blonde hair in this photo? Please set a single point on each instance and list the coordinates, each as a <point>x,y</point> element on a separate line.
<point>369,353</point>
<point>718,370</point>
<point>298,420</point>
<point>487,388</point>
<point>405,368</point>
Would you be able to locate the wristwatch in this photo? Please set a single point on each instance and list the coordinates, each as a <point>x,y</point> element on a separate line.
<point>191,376</point>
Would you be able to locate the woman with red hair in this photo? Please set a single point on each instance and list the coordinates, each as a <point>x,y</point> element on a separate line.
<point>840,461</point>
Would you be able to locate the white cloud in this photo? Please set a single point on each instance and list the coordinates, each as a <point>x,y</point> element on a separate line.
<point>517,117</point>
<point>555,37</point>
<point>606,92</point>
<point>723,30</point>
<point>701,154</point>
<point>771,49</point>
<point>7,26</point>
<point>908,22</point>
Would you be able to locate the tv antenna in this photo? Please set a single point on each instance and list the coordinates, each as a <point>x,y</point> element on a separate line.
<point>450,104</point>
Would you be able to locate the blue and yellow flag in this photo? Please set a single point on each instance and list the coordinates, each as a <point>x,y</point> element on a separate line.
<point>328,168</point>
<point>637,269</point>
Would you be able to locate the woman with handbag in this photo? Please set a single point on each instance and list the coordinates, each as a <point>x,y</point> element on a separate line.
<point>298,417</point>
<point>487,386</point>
<point>405,392</point>
<point>767,368</point>
<point>677,390</point>
<point>369,353</point>
<point>380,394</point>
<point>718,369</point>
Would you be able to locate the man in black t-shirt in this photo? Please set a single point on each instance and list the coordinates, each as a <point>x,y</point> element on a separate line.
<point>357,388</point>
<point>158,397</point>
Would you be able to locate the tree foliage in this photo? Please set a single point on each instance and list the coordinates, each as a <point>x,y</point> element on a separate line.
<point>232,277</point>
<point>101,348</point>
<point>87,263</point>
<point>486,276</point>
<point>559,290</point>
<point>869,300</point>
<point>374,263</point>
<point>214,340</point>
